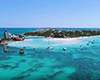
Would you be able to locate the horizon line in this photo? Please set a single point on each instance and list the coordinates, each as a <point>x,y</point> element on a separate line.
<point>48,27</point>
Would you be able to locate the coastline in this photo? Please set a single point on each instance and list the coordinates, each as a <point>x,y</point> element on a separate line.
<point>11,42</point>
<point>68,39</point>
<point>51,39</point>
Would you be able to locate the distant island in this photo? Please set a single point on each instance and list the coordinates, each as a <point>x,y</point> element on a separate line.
<point>63,34</point>
<point>54,33</point>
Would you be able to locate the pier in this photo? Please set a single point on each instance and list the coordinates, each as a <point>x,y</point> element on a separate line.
<point>5,49</point>
<point>4,46</point>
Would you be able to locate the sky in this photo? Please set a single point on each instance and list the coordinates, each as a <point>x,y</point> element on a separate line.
<point>50,13</point>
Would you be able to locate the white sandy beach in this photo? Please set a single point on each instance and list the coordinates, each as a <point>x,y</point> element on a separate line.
<point>44,42</point>
<point>50,39</point>
<point>68,39</point>
<point>12,42</point>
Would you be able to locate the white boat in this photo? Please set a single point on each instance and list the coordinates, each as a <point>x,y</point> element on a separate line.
<point>92,42</point>
<point>64,48</point>
<point>49,48</point>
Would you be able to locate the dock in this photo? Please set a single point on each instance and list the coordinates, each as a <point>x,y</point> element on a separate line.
<point>5,49</point>
<point>4,46</point>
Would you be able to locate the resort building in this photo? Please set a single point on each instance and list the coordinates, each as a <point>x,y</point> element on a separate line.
<point>6,34</point>
<point>13,37</point>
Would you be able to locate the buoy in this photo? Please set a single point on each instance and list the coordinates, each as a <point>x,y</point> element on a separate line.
<point>64,48</point>
<point>21,51</point>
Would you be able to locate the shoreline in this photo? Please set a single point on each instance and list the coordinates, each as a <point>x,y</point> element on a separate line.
<point>65,38</point>
<point>51,39</point>
<point>75,38</point>
<point>11,42</point>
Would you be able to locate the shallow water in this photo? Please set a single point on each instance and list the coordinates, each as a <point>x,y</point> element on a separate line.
<point>56,64</point>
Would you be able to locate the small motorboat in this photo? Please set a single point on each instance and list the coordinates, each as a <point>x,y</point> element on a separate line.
<point>49,48</point>
<point>92,42</point>
<point>64,48</point>
<point>21,51</point>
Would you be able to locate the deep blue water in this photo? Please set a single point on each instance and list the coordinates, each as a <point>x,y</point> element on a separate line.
<point>56,64</point>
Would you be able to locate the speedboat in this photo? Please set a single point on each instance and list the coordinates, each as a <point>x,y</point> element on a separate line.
<point>64,48</point>
<point>49,48</point>
<point>92,42</point>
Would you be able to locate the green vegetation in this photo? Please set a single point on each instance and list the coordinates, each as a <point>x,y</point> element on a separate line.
<point>63,34</point>
<point>10,39</point>
<point>4,39</point>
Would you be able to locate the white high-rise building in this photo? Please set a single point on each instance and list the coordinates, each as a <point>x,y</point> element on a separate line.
<point>6,34</point>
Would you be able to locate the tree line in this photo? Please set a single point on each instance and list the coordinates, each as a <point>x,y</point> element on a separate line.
<point>63,34</point>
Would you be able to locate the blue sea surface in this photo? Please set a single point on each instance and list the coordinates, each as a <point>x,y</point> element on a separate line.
<point>55,64</point>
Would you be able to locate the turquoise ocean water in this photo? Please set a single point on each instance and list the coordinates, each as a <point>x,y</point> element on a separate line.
<point>56,64</point>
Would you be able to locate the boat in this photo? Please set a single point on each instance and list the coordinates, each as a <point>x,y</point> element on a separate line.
<point>64,48</point>
<point>21,51</point>
<point>49,48</point>
<point>92,42</point>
